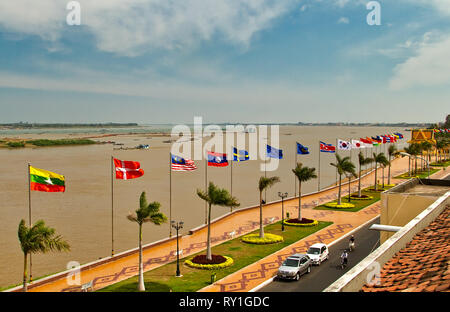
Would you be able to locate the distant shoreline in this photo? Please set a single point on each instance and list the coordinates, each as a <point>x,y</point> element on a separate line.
<point>16,126</point>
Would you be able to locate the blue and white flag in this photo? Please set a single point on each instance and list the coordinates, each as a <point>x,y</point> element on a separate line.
<point>273,152</point>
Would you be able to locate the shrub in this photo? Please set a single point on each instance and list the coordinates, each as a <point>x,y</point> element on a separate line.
<point>303,222</point>
<point>363,197</point>
<point>342,205</point>
<point>267,239</point>
<point>228,262</point>
<point>46,142</point>
<point>16,144</point>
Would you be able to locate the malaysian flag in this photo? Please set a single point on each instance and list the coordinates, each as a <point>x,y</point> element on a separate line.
<point>181,164</point>
<point>328,148</point>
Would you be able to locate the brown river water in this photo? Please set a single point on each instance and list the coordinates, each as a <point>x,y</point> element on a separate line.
<point>82,215</point>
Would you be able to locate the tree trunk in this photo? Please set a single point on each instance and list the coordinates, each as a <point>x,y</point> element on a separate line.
<point>25,273</point>
<point>141,285</point>
<point>349,188</point>
<point>339,193</point>
<point>299,200</point>
<point>208,243</point>
<point>359,182</point>
<point>409,166</point>
<point>261,229</point>
<point>389,172</point>
<point>376,171</point>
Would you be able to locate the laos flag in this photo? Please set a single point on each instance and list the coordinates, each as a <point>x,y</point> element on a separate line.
<point>217,159</point>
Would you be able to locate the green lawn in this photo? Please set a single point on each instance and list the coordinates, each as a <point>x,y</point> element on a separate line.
<point>421,174</point>
<point>359,204</point>
<point>163,278</point>
<point>441,164</point>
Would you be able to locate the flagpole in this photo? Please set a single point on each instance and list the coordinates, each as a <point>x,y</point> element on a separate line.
<point>206,188</point>
<point>29,214</point>
<point>265,176</point>
<point>337,149</point>
<point>170,195</point>
<point>295,165</point>
<point>112,206</point>
<point>318,171</point>
<point>231,188</point>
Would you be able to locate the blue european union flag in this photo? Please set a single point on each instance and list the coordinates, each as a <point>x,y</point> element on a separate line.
<point>273,152</point>
<point>240,155</point>
<point>302,150</point>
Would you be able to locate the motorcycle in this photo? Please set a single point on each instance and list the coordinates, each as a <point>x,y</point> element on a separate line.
<point>351,246</point>
<point>343,263</point>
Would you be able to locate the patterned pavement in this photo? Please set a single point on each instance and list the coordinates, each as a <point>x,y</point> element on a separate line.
<point>239,223</point>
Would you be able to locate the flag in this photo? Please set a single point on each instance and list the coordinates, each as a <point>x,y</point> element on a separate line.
<point>377,140</point>
<point>126,170</point>
<point>302,150</point>
<point>240,155</point>
<point>273,152</point>
<point>368,143</point>
<point>400,136</point>
<point>327,148</point>
<point>357,144</point>
<point>217,159</point>
<point>344,145</point>
<point>46,181</point>
<point>181,164</point>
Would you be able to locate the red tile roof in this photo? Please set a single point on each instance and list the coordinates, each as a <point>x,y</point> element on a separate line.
<point>423,265</point>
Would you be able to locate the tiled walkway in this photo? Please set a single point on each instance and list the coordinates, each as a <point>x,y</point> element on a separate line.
<point>239,223</point>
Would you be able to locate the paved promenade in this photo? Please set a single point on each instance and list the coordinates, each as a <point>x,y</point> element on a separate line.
<point>108,271</point>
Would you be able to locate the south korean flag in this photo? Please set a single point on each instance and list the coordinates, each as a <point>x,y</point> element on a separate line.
<point>344,145</point>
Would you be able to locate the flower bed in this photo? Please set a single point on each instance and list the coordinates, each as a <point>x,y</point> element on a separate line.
<point>302,222</point>
<point>267,239</point>
<point>342,205</point>
<point>363,197</point>
<point>217,262</point>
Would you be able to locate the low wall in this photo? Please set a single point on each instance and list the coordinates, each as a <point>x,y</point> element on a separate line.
<point>358,276</point>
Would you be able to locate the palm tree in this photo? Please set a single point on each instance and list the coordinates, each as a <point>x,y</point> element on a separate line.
<point>38,239</point>
<point>416,150</point>
<point>362,162</point>
<point>303,174</point>
<point>440,144</point>
<point>409,150</point>
<point>343,165</point>
<point>379,159</point>
<point>218,197</point>
<point>146,213</point>
<point>392,152</point>
<point>264,183</point>
<point>427,146</point>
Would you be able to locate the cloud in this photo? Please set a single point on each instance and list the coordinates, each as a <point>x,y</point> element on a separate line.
<point>343,20</point>
<point>428,67</point>
<point>133,27</point>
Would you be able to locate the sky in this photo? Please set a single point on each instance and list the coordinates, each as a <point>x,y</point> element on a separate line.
<point>237,61</point>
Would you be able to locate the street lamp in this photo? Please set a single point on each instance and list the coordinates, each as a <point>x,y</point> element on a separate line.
<point>283,196</point>
<point>177,226</point>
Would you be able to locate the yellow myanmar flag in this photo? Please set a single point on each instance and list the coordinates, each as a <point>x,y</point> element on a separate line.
<point>46,181</point>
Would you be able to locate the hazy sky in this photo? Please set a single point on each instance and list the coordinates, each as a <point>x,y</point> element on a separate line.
<point>160,61</point>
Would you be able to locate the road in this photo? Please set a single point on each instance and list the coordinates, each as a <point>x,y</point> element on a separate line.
<point>324,275</point>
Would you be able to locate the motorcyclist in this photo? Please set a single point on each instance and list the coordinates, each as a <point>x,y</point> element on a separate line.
<point>344,258</point>
<point>351,243</point>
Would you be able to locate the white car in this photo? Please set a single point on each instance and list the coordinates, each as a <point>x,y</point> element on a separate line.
<point>318,253</point>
